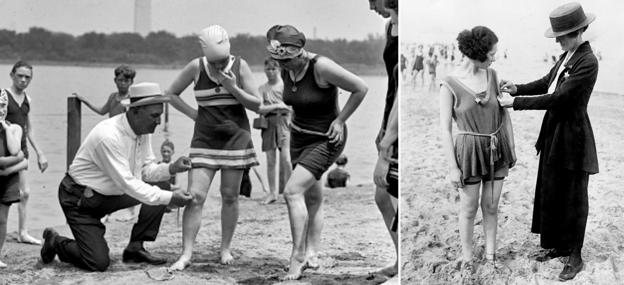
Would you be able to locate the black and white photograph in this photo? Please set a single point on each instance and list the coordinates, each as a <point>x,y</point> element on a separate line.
<point>511,145</point>
<point>199,142</point>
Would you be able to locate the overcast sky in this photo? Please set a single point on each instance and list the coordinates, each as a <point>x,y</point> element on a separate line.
<point>520,25</point>
<point>350,19</point>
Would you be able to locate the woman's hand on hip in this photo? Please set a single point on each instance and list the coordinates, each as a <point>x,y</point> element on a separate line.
<point>336,131</point>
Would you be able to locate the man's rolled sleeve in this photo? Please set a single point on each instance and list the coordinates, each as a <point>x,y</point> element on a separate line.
<point>152,171</point>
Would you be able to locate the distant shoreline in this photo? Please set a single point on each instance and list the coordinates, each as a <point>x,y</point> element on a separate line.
<point>359,69</point>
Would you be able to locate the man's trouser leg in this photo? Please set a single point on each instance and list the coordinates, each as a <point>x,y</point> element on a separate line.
<point>83,213</point>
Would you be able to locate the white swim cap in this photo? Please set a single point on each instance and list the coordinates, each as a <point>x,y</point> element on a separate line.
<point>215,42</point>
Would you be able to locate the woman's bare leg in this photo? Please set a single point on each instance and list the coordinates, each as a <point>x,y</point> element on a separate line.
<point>388,211</point>
<point>285,168</point>
<point>271,166</point>
<point>23,235</point>
<point>314,204</point>
<point>230,188</point>
<point>300,181</point>
<point>469,204</point>
<point>199,184</point>
<point>4,215</point>
<point>490,215</point>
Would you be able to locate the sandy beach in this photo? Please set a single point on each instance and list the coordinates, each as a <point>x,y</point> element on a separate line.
<point>354,238</point>
<point>430,245</point>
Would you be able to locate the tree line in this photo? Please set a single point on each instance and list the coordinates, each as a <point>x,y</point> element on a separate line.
<point>164,48</point>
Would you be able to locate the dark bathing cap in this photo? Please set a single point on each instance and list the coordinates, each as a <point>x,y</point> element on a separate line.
<point>286,35</point>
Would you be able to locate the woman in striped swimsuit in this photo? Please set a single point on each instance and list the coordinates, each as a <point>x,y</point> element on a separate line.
<point>223,87</point>
<point>318,134</point>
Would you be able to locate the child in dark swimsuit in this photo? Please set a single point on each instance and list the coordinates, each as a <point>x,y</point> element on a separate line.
<point>11,162</point>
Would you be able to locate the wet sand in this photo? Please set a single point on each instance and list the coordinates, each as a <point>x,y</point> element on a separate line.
<point>354,242</point>
<point>430,245</point>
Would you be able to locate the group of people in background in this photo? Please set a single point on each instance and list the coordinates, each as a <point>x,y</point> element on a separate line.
<point>305,134</point>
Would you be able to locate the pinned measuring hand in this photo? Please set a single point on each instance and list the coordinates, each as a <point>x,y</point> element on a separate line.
<point>180,198</point>
<point>182,164</point>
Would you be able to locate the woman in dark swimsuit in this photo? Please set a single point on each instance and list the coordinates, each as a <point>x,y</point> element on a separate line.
<point>318,134</point>
<point>386,167</point>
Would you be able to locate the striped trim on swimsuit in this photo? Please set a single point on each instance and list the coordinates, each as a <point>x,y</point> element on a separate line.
<point>214,158</point>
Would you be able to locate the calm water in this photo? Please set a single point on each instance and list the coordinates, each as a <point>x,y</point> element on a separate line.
<point>51,86</point>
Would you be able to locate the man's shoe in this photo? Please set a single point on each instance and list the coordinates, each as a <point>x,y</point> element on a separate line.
<point>548,254</point>
<point>142,255</point>
<point>47,249</point>
<point>569,271</point>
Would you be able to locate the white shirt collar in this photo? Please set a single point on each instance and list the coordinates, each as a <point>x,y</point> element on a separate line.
<point>125,125</point>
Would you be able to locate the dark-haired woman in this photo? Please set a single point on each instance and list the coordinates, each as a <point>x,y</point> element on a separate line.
<point>318,134</point>
<point>483,150</point>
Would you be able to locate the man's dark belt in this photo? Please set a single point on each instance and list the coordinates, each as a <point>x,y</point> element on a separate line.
<point>73,187</point>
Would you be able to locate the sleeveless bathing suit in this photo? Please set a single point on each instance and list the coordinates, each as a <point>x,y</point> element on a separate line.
<point>222,137</point>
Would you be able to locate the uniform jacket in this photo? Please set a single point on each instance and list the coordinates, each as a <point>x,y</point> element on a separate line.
<point>566,133</point>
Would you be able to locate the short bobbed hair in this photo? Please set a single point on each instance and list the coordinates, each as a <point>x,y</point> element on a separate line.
<point>476,43</point>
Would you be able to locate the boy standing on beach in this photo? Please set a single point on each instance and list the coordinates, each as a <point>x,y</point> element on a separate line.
<point>117,101</point>
<point>18,109</point>
<point>276,135</point>
<point>11,162</point>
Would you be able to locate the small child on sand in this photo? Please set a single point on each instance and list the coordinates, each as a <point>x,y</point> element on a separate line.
<point>11,162</point>
<point>338,176</point>
<point>166,152</point>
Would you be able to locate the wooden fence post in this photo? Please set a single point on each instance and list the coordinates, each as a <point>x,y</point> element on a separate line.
<point>73,128</point>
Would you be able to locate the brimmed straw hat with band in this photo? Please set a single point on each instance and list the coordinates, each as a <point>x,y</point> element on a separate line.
<point>146,93</point>
<point>566,19</point>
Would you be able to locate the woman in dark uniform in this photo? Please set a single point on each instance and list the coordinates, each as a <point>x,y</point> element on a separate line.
<point>566,140</point>
<point>318,134</point>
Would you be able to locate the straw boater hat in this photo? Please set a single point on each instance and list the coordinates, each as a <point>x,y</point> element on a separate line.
<point>568,18</point>
<point>146,93</point>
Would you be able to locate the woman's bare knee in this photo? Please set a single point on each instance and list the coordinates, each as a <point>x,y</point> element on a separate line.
<point>469,210</point>
<point>199,197</point>
<point>489,208</point>
<point>229,199</point>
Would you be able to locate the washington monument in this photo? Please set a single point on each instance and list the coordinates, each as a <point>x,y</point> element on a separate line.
<point>143,17</point>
